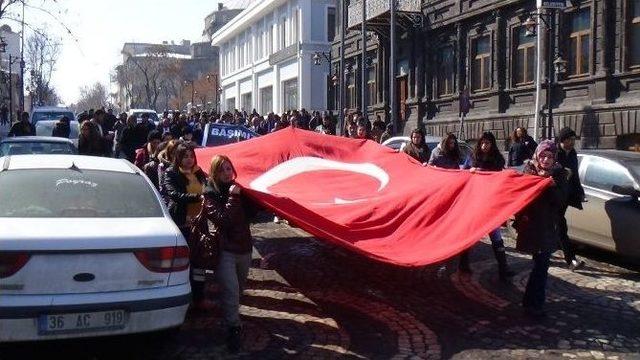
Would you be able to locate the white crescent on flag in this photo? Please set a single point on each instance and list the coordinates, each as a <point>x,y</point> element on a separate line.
<point>304,164</point>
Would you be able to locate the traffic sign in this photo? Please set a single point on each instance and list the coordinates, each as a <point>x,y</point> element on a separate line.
<point>551,4</point>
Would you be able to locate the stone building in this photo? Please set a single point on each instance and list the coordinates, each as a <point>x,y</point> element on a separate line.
<point>446,46</point>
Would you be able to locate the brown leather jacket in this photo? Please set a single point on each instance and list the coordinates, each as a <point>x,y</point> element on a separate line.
<point>229,215</point>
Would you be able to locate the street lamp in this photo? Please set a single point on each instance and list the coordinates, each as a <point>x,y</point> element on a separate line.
<point>187,82</point>
<point>3,45</point>
<point>317,61</point>
<point>560,65</point>
<point>554,62</point>
<point>218,92</point>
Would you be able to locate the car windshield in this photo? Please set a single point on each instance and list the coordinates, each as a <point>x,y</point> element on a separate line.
<point>23,147</point>
<point>50,115</point>
<point>45,128</point>
<point>72,193</point>
<point>634,168</point>
<point>152,116</point>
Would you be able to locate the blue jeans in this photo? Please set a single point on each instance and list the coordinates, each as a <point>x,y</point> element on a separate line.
<point>232,272</point>
<point>534,295</point>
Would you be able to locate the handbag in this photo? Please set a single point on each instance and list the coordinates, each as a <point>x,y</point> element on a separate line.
<point>204,241</point>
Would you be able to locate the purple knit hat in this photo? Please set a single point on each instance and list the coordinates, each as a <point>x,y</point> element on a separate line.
<point>546,145</point>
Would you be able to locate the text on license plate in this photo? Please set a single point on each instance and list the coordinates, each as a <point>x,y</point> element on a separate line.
<point>78,322</point>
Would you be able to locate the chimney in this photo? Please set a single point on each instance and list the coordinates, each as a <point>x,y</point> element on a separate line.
<point>220,6</point>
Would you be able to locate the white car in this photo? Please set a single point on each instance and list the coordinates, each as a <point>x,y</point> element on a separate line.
<point>88,249</point>
<point>45,118</point>
<point>153,115</point>
<point>399,142</point>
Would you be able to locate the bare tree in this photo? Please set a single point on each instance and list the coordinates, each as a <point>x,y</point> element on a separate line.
<point>41,56</point>
<point>6,6</point>
<point>93,96</point>
<point>149,73</point>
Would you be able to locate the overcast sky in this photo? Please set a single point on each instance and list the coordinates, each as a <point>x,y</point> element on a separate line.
<point>101,27</point>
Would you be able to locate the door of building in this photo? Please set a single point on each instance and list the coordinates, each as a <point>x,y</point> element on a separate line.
<point>402,89</point>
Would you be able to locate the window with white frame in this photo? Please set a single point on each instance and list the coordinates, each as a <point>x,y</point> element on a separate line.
<point>247,48</point>
<point>246,102</point>
<point>259,41</point>
<point>269,35</point>
<point>331,24</point>
<point>241,51</point>
<point>290,94</point>
<point>266,99</point>
<point>282,33</point>
<point>294,26</point>
<point>579,41</point>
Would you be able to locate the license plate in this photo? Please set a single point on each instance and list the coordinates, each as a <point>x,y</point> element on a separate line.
<point>81,322</point>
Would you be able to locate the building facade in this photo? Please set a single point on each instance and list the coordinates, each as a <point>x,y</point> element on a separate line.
<point>274,56</point>
<point>10,71</point>
<point>445,48</point>
<point>217,19</point>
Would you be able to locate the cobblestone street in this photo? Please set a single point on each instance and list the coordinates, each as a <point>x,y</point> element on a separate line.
<point>307,299</point>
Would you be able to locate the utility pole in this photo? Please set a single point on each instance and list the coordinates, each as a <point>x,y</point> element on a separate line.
<point>550,56</point>
<point>22,64</point>
<point>392,65</point>
<point>10,92</point>
<point>363,62</point>
<point>343,16</point>
<point>536,119</point>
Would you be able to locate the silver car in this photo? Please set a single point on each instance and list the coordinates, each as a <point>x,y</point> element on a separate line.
<point>609,221</point>
<point>399,142</point>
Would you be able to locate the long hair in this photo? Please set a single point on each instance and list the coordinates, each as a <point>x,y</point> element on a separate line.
<point>444,149</point>
<point>421,133</point>
<point>514,135</point>
<point>181,152</point>
<point>215,167</point>
<point>494,152</point>
<point>168,154</point>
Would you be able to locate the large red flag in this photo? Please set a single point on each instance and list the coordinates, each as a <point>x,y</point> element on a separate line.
<point>370,199</point>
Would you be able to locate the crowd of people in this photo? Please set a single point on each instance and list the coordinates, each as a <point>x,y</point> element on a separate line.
<point>542,225</point>
<point>165,152</point>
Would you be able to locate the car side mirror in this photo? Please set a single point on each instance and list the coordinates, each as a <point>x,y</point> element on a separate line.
<point>626,190</point>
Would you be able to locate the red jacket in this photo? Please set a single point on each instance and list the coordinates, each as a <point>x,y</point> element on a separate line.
<point>142,157</point>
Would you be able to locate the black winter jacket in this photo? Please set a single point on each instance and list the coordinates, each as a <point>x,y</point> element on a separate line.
<point>537,224</point>
<point>576,192</point>
<point>230,215</point>
<point>496,164</point>
<point>175,188</point>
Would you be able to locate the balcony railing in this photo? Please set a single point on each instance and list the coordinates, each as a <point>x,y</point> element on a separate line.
<point>376,8</point>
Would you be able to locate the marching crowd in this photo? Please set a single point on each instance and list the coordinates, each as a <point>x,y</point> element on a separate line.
<point>165,152</point>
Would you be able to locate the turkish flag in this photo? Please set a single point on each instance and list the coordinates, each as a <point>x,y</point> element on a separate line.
<point>370,199</point>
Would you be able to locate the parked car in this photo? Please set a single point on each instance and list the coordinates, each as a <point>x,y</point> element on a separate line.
<point>399,142</point>
<point>45,118</point>
<point>153,116</point>
<point>36,145</point>
<point>88,249</point>
<point>611,181</point>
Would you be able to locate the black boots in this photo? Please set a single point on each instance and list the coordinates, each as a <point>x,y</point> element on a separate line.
<point>503,269</point>
<point>234,339</point>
